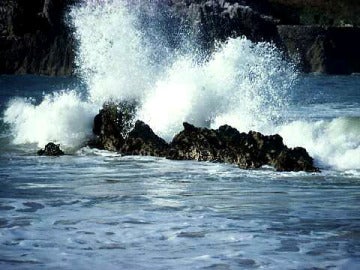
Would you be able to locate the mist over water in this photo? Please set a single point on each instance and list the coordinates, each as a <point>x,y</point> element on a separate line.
<point>246,85</point>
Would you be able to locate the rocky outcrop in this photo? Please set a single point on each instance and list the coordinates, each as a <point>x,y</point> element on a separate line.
<point>51,149</point>
<point>335,13</point>
<point>144,142</point>
<point>212,20</point>
<point>317,38</point>
<point>112,124</point>
<point>34,38</point>
<point>331,50</point>
<point>247,150</point>
<point>226,144</point>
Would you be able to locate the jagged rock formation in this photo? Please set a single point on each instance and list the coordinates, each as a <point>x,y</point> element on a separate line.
<point>112,124</point>
<point>34,38</point>
<point>247,150</point>
<point>320,37</point>
<point>330,50</point>
<point>226,144</point>
<point>143,141</point>
<point>51,149</point>
<point>217,20</point>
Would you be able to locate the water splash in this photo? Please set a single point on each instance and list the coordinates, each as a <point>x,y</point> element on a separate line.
<point>243,84</point>
<point>61,117</point>
<point>110,58</point>
<point>334,143</point>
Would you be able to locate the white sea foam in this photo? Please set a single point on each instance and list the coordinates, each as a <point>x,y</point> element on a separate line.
<point>111,56</point>
<point>243,84</point>
<point>61,117</point>
<point>334,143</point>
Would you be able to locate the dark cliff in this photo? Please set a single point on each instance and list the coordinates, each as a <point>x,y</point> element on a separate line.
<point>322,35</point>
<point>34,38</point>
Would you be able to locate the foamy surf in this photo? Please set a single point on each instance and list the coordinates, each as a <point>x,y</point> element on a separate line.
<point>246,85</point>
<point>334,143</point>
<point>60,117</point>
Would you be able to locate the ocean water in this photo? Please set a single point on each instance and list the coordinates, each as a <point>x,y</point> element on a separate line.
<point>97,209</point>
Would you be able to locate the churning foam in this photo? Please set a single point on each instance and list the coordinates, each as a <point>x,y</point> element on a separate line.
<point>243,84</point>
<point>61,117</point>
<point>111,56</point>
<point>334,143</point>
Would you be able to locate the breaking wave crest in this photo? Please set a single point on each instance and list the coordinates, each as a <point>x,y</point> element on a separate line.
<point>241,83</point>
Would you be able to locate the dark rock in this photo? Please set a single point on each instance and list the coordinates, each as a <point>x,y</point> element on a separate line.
<point>36,54</point>
<point>304,12</point>
<point>296,159</point>
<point>226,144</point>
<point>34,38</point>
<point>143,141</point>
<point>112,125</point>
<point>51,149</point>
<point>195,143</point>
<point>331,50</point>
<point>115,132</point>
<point>213,20</point>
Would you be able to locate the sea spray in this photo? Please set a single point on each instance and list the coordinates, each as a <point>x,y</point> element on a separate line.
<point>243,84</point>
<point>111,57</point>
<point>334,143</point>
<point>60,117</point>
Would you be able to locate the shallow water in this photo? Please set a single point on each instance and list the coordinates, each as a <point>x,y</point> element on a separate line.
<point>95,209</point>
<point>98,209</point>
<point>115,212</point>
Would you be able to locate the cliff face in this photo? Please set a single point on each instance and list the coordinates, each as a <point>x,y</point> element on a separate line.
<point>218,20</point>
<point>34,39</point>
<point>333,13</point>
<point>321,35</point>
<point>330,50</point>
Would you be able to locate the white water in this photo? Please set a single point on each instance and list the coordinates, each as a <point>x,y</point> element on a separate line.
<point>242,84</point>
<point>334,143</point>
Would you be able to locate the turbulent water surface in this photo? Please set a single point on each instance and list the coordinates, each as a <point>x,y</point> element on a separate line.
<point>96,209</point>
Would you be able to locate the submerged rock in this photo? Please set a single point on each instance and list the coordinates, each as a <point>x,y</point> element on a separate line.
<point>51,149</point>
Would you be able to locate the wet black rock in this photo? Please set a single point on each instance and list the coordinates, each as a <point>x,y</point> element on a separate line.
<point>115,132</point>
<point>51,149</point>
<point>247,150</point>
<point>112,125</point>
<point>143,141</point>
